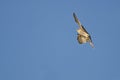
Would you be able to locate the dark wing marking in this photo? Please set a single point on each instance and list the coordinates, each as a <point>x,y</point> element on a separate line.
<point>84,29</point>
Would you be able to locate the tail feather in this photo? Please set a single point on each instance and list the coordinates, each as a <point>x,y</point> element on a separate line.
<point>92,44</point>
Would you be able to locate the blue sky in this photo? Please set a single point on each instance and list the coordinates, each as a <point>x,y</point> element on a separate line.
<point>38,40</point>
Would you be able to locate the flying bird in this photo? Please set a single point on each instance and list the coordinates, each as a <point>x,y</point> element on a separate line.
<point>83,35</point>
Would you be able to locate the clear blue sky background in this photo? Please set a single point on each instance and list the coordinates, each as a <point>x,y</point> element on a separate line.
<point>38,40</point>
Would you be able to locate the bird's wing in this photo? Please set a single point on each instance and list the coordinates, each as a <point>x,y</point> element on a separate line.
<point>82,31</point>
<point>76,19</point>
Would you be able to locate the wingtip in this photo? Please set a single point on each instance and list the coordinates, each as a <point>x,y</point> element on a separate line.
<point>76,19</point>
<point>74,15</point>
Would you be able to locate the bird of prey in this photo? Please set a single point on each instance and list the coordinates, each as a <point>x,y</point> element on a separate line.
<point>83,35</point>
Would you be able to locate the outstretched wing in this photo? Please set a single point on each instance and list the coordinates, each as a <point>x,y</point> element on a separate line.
<point>81,30</point>
<point>76,19</point>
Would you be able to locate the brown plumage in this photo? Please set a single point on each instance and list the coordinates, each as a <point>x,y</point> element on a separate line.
<point>83,35</point>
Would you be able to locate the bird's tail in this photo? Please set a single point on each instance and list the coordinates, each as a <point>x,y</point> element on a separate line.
<point>91,44</point>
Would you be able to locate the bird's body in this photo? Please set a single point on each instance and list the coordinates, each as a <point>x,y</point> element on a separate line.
<point>83,35</point>
<point>81,39</point>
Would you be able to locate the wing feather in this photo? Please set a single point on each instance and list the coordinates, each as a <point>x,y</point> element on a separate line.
<point>76,19</point>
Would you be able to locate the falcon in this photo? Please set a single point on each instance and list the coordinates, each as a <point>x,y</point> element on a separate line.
<point>83,35</point>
